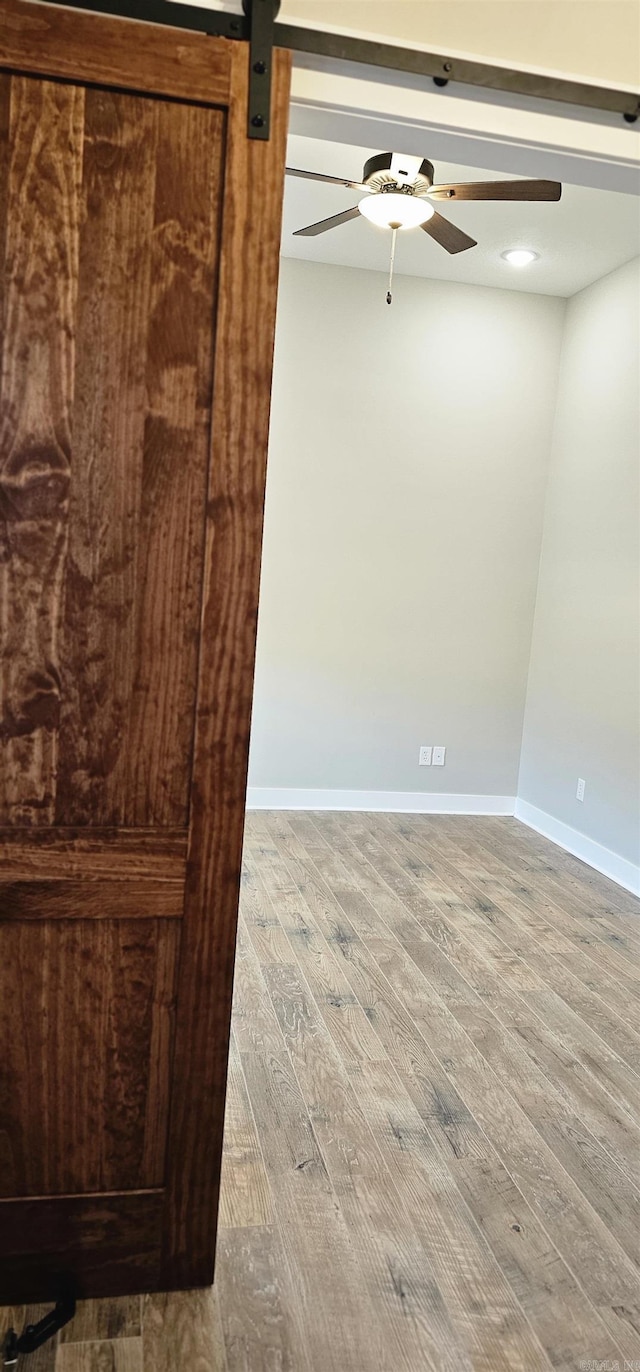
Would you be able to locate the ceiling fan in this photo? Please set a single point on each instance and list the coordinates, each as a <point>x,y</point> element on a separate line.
<point>398,190</point>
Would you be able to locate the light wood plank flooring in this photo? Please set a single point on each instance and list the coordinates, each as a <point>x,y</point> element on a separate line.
<point>433,1126</point>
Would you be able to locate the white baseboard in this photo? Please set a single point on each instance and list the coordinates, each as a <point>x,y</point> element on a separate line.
<point>619,869</point>
<point>402,802</point>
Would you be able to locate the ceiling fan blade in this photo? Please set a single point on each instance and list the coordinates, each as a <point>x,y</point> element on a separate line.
<point>448,235</point>
<point>323,224</point>
<point>332,180</point>
<point>498,190</point>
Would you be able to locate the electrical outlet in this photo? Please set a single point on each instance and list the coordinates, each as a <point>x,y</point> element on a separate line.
<point>580,789</point>
<point>438,757</point>
<point>424,756</point>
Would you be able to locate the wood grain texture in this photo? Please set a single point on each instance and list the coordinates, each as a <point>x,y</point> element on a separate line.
<point>497,190</point>
<point>182,1330</point>
<point>60,854</point>
<point>146,358</point>
<point>94,1006</point>
<point>259,1329</point>
<point>99,646</point>
<point>123,1355</point>
<point>245,1194</point>
<point>581,897</point>
<point>36,405</point>
<point>317,1226</point>
<point>381,1227</point>
<point>102,516</point>
<point>147,284</point>
<point>100,1320</point>
<point>179,375</point>
<point>573,874</point>
<point>243,361</point>
<point>484,1230</point>
<point>569,1136</point>
<point>453,1249</point>
<point>541,1188</point>
<point>109,1242</point>
<point>141,57</point>
<point>5,164</point>
<point>59,899</point>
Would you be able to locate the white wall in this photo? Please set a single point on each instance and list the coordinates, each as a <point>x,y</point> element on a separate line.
<point>407,471</point>
<point>583,704</point>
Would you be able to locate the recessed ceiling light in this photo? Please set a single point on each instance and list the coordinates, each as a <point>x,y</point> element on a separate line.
<point>520,257</point>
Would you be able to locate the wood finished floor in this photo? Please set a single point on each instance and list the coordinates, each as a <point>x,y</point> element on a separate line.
<point>433,1126</point>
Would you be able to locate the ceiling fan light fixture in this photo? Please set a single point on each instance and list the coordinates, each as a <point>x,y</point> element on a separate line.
<point>391,210</point>
<point>520,257</point>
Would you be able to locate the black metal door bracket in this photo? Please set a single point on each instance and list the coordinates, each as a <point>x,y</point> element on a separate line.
<point>261,15</point>
<point>34,1335</point>
<point>257,25</point>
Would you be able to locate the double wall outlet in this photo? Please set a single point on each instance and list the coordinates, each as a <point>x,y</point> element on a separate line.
<point>580,789</point>
<point>430,756</point>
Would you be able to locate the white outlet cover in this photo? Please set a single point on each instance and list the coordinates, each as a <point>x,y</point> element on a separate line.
<point>424,756</point>
<point>438,756</point>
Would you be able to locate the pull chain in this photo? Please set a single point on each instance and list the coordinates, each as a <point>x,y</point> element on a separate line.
<point>394,232</point>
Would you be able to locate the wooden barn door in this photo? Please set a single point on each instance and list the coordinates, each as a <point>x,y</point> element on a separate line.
<point>139,238</point>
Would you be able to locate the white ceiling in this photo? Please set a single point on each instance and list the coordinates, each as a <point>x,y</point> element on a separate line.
<point>582,237</point>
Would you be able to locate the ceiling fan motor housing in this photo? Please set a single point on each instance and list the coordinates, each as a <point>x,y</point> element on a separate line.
<point>377,174</point>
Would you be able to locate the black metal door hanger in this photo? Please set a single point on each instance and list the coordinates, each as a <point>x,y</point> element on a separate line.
<point>257,26</point>
<point>34,1335</point>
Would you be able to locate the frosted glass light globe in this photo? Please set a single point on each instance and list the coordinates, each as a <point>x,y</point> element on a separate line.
<point>391,210</point>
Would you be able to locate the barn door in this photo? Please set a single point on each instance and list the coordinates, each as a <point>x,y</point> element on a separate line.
<point>139,236</point>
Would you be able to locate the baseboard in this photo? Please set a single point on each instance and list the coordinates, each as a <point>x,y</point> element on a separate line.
<point>402,802</point>
<point>619,869</point>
